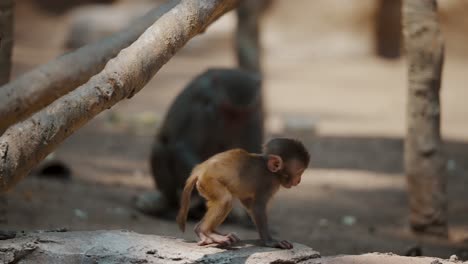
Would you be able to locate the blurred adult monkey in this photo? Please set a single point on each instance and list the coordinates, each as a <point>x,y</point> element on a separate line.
<point>218,110</point>
<point>252,178</point>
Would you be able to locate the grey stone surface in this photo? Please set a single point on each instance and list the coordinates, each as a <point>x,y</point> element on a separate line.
<point>379,258</point>
<point>121,246</point>
<point>130,247</point>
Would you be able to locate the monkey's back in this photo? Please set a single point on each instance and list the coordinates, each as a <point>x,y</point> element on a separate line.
<point>224,168</point>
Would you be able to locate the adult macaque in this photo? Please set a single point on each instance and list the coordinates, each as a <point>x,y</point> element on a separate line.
<point>219,110</point>
<point>252,178</point>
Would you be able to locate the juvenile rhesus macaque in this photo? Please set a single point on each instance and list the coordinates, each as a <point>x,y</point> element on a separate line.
<point>252,178</point>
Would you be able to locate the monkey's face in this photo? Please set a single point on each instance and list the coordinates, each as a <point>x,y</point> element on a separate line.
<point>292,173</point>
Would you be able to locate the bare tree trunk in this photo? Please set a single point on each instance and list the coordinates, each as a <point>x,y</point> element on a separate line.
<point>6,47</point>
<point>248,47</point>
<point>6,39</point>
<point>388,28</point>
<point>25,144</point>
<point>41,86</point>
<point>247,43</point>
<point>424,159</point>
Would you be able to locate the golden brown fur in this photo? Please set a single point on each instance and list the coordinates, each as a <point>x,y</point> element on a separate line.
<point>252,178</point>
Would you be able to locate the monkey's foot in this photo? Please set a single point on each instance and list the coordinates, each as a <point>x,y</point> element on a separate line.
<point>152,203</point>
<point>232,237</point>
<point>218,239</point>
<point>204,240</point>
<point>283,244</point>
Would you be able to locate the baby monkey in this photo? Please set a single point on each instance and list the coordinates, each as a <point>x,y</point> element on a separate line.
<point>252,178</point>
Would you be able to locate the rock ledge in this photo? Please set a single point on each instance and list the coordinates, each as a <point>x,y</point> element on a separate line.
<point>119,246</point>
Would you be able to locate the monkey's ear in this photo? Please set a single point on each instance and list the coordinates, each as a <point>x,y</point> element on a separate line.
<point>275,163</point>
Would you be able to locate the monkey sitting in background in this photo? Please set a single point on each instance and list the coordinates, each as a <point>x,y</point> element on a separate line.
<point>219,110</point>
<point>252,178</point>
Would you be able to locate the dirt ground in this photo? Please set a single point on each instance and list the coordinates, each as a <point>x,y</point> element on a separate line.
<point>352,199</point>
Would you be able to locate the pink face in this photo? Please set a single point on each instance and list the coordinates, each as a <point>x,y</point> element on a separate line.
<point>293,171</point>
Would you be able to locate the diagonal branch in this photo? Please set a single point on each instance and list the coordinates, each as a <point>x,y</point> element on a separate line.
<point>25,144</point>
<point>43,85</point>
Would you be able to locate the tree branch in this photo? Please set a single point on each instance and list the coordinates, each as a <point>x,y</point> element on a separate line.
<point>25,144</point>
<point>41,86</point>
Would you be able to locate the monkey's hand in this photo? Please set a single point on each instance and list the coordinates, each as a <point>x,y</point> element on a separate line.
<point>283,244</point>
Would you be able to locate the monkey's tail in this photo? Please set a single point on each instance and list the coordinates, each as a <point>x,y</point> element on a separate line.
<point>185,201</point>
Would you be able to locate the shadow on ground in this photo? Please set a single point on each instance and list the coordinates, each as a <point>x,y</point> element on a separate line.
<point>376,154</point>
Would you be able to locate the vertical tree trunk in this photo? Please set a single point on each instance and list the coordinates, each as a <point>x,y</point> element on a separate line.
<point>248,46</point>
<point>6,46</point>
<point>6,39</point>
<point>388,28</point>
<point>424,159</point>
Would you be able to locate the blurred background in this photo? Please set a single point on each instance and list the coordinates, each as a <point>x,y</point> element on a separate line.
<point>324,82</point>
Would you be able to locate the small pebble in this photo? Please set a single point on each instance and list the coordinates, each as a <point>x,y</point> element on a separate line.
<point>80,214</point>
<point>152,252</point>
<point>348,220</point>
